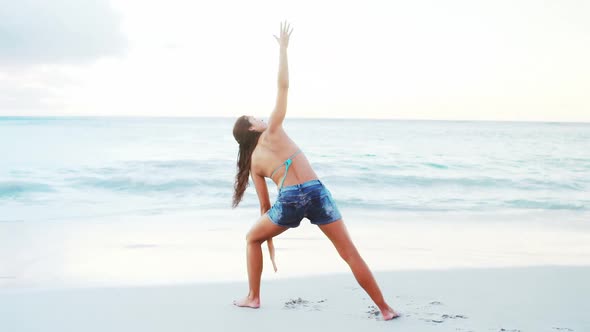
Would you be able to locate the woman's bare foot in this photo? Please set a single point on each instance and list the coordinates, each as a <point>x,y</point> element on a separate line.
<point>389,314</point>
<point>248,302</point>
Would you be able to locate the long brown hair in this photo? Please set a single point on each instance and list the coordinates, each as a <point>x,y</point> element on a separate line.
<point>247,139</point>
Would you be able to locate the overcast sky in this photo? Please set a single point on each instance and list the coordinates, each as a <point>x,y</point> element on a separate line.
<point>423,59</point>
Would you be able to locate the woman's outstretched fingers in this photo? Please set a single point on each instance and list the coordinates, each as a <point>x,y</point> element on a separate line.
<point>285,31</point>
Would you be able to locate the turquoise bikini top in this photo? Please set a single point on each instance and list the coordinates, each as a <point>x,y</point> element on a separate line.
<point>287,163</point>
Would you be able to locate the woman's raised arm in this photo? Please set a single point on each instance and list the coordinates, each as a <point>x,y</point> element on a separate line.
<point>278,115</point>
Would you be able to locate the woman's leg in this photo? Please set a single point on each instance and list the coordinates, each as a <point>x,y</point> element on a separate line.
<point>338,234</point>
<point>263,230</point>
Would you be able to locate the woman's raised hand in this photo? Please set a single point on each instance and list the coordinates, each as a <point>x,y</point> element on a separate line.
<point>286,31</point>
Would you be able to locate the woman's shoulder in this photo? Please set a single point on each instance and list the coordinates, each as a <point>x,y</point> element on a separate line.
<point>278,137</point>
<point>274,134</point>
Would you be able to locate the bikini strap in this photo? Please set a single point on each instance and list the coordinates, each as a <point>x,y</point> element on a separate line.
<point>285,162</point>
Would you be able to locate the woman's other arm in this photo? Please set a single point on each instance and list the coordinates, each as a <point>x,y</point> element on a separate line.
<point>262,192</point>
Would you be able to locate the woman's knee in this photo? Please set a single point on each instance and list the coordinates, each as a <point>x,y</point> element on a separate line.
<point>252,238</point>
<point>349,254</point>
<point>249,237</point>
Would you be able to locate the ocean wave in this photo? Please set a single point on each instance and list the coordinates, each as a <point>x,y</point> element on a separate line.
<point>352,179</point>
<point>437,166</point>
<point>189,164</point>
<point>122,165</point>
<point>460,205</point>
<point>19,188</point>
<point>149,185</point>
<point>545,205</point>
<point>373,205</point>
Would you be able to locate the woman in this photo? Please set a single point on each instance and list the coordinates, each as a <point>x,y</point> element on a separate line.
<point>267,151</point>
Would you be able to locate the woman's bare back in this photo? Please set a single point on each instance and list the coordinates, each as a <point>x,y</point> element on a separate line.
<point>272,151</point>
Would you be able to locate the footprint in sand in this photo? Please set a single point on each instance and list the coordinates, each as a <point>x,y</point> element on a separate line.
<point>373,311</point>
<point>296,303</point>
<point>454,316</point>
<point>300,303</point>
<point>438,318</point>
<point>425,306</point>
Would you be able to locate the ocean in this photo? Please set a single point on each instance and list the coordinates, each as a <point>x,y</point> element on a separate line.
<point>71,168</point>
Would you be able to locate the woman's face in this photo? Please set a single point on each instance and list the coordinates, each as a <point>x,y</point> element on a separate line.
<point>257,124</point>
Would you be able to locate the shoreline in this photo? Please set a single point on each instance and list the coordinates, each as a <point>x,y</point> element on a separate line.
<point>184,248</point>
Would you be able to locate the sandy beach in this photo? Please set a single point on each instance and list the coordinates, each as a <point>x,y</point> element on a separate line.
<point>513,272</point>
<point>503,299</point>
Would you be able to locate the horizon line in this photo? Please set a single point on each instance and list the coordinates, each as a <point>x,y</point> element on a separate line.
<point>294,118</point>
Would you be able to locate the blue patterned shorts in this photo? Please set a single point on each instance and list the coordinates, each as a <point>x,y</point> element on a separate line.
<point>310,200</point>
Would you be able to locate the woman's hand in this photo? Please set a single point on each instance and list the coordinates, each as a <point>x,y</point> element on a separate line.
<point>286,31</point>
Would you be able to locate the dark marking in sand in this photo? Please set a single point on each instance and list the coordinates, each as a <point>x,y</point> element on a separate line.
<point>454,316</point>
<point>140,246</point>
<point>300,303</point>
<point>512,330</point>
<point>442,317</point>
<point>293,303</point>
<point>373,311</point>
<point>562,329</point>
<point>438,321</point>
<point>435,303</point>
<point>296,303</point>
